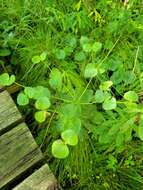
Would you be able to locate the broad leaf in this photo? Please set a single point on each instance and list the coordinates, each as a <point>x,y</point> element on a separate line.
<point>22,99</point>
<point>29,91</point>
<point>43,56</point>
<point>60,149</point>
<point>36,59</point>
<point>80,56</point>
<point>90,71</point>
<point>42,103</point>
<point>70,137</point>
<point>99,96</point>
<point>55,79</point>
<point>40,116</point>
<point>109,104</point>
<point>40,91</point>
<point>131,96</point>
<point>11,80</point>
<point>4,79</point>
<point>96,47</point>
<point>106,85</point>
<point>60,54</point>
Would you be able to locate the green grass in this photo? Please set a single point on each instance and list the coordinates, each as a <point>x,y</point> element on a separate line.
<point>109,152</point>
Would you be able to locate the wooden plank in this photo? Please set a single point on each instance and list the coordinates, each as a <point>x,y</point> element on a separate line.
<point>41,179</point>
<point>18,153</point>
<point>9,113</point>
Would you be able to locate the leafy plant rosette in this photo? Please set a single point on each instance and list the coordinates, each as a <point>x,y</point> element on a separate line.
<point>69,121</point>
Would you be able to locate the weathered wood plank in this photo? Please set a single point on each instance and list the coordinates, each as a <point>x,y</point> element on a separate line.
<point>9,113</point>
<point>41,179</point>
<point>18,152</point>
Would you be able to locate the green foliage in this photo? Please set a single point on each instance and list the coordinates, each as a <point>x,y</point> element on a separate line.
<point>6,80</point>
<point>90,71</point>
<point>42,103</point>
<point>131,96</point>
<point>80,66</point>
<point>60,149</point>
<point>40,116</point>
<point>55,79</point>
<point>109,104</point>
<point>22,99</point>
<point>70,137</point>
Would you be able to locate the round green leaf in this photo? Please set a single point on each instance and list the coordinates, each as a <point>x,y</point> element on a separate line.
<point>109,104</point>
<point>4,79</point>
<point>40,91</point>
<point>99,96</point>
<point>55,79</point>
<point>40,116</point>
<point>22,99</point>
<point>96,47</point>
<point>70,137</point>
<point>131,96</point>
<point>42,103</point>
<point>43,56</point>
<point>60,54</point>
<point>90,71</point>
<point>84,40</point>
<point>80,56</point>
<point>36,59</point>
<point>60,149</point>
<point>87,47</point>
<point>11,79</point>
<point>106,85</point>
<point>29,91</point>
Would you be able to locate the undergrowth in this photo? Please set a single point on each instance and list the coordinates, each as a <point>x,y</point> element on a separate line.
<point>79,67</point>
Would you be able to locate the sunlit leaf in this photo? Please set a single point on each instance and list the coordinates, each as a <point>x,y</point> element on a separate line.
<point>60,149</point>
<point>70,137</point>
<point>22,99</point>
<point>131,96</point>
<point>40,116</point>
<point>42,103</point>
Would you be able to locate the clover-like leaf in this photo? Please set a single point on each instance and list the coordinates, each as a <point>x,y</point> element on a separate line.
<point>90,71</point>
<point>22,99</point>
<point>36,59</point>
<point>43,56</point>
<point>4,79</point>
<point>42,103</point>
<point>106,85</point>
<point>109,104</point>
<point>84,40</point>
<point>11,79</point>
<point>70,137</point>
<point>40,116</point>
<point>60,54</point>
<point>87,47</point>
<point>55,79</point>
<point>60,149</point>
<point>131,96</point>
<point>29,91</point>
<point>80,56</point>
<point>40,91</point>
<point>96,47</point>
<point>99,96</point>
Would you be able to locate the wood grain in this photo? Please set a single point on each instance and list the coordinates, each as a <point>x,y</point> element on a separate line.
<point>9,113</point>
<point>41,179</point>
<point>18,152</point>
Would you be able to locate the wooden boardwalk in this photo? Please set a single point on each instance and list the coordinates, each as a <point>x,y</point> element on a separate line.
<point>22,165</point>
